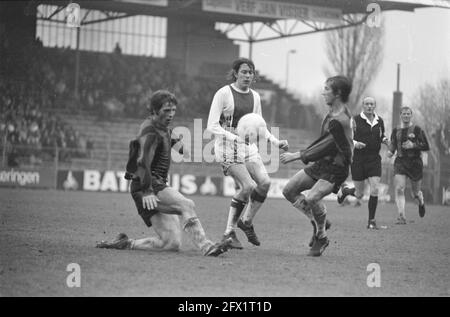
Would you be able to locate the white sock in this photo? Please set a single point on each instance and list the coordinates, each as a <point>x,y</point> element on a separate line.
<point>400,201</point>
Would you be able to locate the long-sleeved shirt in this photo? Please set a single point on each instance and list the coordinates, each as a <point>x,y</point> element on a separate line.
<point>227,107</point>
<point>413,133</point>
<point>369,133</point>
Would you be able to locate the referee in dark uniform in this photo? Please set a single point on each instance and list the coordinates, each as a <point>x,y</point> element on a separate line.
<point>368,134</point>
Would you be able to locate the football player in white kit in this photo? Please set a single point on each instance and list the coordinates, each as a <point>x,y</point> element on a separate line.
<point>238,158</point>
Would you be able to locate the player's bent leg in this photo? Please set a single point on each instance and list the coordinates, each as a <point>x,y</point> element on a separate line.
<point>399,183</point>
<point>246,185</point>
<point>296,185</point>
<point>172,200</point>
<point>313,199</point>
<point>418,196</point>
<point>167,228</point>
<point>258,172</point>
<point>293,193</point>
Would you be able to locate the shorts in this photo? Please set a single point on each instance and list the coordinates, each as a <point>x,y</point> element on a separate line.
<point>366,166</point>
<point>229,153</point>
<point>412,167</point>
<point>329,171</point>
<point>136,192</point>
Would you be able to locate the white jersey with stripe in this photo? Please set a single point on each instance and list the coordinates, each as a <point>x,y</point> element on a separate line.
<point>224,116</point>
<point>222,120</point>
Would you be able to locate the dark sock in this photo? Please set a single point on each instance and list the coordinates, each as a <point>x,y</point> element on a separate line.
<point>239,206</point>
<point>373,201</point>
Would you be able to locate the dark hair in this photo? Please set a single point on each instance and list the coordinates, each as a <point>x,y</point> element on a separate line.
<point>406,108</point>
<point>340,85</point>
<point>159,98</point>
<point>237,64</point>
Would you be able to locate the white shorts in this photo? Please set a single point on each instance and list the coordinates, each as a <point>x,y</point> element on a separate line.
<point>230,153</point>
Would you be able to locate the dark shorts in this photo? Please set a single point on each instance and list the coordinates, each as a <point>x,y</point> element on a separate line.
<point>137,194</point>
<point>329,171</point>
<point>412,167</point>
<point>366,166</point>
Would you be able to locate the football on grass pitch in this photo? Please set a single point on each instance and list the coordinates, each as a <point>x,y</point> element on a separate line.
<point>251,127</point>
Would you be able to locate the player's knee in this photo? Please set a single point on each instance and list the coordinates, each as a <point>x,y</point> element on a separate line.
<point>414,193</point>
<point>288,193</point>
<point>173,244</point>
<point>358,194</point>
<point>189,204</point>
<point>248,188</point>
<point>400,190</point>
<point>264,185</point>
<point>374,191</point>
<point>171,238</point>
<point>312,198</point>
<point>184,206</point>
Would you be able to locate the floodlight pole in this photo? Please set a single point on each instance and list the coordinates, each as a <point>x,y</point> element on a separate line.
<point>397,102</point>
<point>287,66</point>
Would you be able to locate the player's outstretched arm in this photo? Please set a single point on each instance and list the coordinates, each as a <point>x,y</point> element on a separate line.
<point>320,148</point>
<point>288,157</point>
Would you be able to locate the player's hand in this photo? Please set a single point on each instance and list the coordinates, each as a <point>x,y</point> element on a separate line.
<point>385,141</point>
<point>150,201</point>
<point>283,144</point>
<point>359,145</point>
<point>390,154</point>
<point>408,145</point>
<point>287,157</point>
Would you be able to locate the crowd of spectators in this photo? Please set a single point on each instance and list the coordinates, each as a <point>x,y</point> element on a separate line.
<point>29,130</point>
<point>31,134</point>
<point>110,85</point>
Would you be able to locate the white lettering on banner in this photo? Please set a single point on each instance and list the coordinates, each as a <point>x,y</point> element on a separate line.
<point>106,181</point>
<point>123,183</point>
<point>174,181</point>
<point>188,185</point>
<point>109,182</point>
<point>91,180</point>
<point>19,177</point>
<point>273,9</point>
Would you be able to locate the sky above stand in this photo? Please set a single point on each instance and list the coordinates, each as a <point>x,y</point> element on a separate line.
<point>419,41</point>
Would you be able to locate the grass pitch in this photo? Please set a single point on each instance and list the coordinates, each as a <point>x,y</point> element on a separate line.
<point>42,232</point>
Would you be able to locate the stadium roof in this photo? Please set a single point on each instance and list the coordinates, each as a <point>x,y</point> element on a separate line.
<point>196,8</point>
<point>283,18</point>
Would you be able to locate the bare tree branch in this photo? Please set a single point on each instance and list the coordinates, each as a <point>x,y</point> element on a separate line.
<point>357,53</point>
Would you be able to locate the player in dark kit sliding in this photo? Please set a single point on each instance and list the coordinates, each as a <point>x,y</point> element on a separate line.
<point>408,141</point>
<point>331,154</point>
<point>368,134</point>
<point>158,204</point>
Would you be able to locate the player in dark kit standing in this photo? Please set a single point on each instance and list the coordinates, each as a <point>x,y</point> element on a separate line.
<point>408,141</point>
<point>331,154</point>
<point>368,134</point>
<point>158,204</point>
